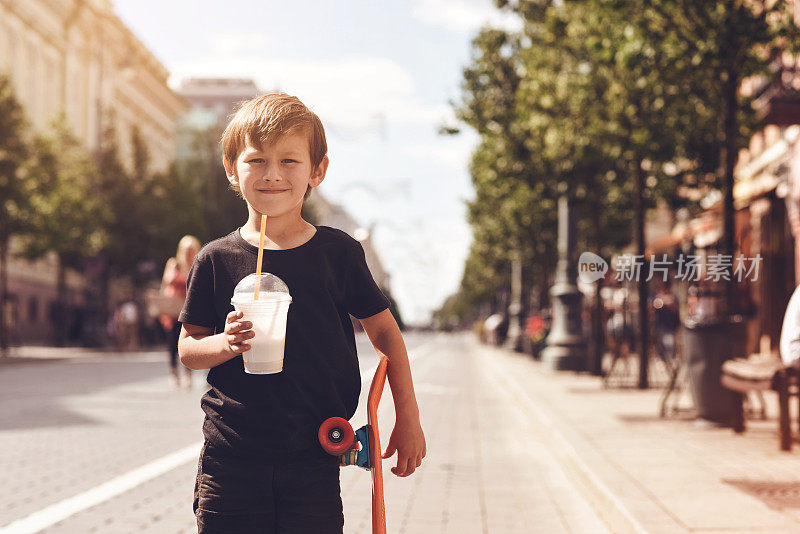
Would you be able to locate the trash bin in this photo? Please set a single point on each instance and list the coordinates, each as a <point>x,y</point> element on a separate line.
<point>707,344</point>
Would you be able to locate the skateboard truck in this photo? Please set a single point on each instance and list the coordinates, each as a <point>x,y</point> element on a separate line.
<point>358,454</point>
<point>335,432</point>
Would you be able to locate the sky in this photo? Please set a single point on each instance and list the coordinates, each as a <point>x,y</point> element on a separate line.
<point>381,76</point>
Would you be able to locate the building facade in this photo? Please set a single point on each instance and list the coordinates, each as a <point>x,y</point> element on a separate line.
<point>212,101</point>
<point>218,96</point>
<point>78,58</point>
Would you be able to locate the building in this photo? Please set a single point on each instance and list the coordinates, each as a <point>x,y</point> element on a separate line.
<point>218,96</point>
<point>212,101</point>
<point>79,58</point>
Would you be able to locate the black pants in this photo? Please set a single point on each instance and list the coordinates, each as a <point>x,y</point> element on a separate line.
<point>292,496</point>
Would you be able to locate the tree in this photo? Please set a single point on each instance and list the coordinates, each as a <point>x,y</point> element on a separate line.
<point>14,187</point>
<point>629,126</point>
<point>222,210</point>
<point>64,214</point>
<point>514,205</point>
<point>605,97</point>
<point>147,212</point>
<point>168,207</point>
<point>726,42</point>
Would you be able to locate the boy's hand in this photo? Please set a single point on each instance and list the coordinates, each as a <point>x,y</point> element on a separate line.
<point>237,333</point>
<point>409,442</point>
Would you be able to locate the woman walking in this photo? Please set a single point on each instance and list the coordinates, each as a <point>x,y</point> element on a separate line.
<point>173,285</point>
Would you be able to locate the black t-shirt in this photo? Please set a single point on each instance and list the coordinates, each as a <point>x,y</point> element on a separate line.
<point>263,417</point>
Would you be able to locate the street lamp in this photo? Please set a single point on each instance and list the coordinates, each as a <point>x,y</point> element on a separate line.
<point>514,336</point>
<point>566,347</point>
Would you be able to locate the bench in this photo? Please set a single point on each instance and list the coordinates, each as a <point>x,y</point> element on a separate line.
<point>757,373</point>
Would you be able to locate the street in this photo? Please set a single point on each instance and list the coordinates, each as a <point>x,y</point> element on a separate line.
<point>104,444</point>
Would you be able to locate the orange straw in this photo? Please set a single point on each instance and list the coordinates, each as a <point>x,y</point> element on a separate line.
<point>260,256</point>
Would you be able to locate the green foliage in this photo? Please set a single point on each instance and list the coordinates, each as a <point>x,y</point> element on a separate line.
<point>14,185</point>
<point>586,96</point>
<point>146,213</point>
<point>725,42</point>
<point>515,203</point>
<point>121,195</point>
<point>65,216</point>
<point>202,172</point>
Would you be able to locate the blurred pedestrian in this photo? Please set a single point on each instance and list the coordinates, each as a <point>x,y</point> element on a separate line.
<point>492,326</point>
<point>790,331</point>
<point>620,331</point>
<point>173,286</point>
<point>621,336</point>
<point>666,320</point>
<point>126,325</point>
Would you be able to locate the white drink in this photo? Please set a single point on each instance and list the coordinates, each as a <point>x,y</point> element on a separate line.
<point>268,315</point>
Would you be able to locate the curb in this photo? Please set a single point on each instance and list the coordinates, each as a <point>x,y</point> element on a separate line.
<point>33,355</point>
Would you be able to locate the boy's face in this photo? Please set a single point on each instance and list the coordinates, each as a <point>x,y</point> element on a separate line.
<point>273,179</point>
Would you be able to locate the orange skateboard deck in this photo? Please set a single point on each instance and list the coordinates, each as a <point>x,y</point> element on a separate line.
<point>337,438</point>
<point>374,398</point>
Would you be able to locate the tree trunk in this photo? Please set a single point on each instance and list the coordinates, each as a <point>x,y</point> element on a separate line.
<point>97,288</point>
<point>3,297</point>
<point>61,304</point>
<point>104,309</point>
<point>644,341</point>
<point>729,162</point>
<point>515,327</point>
<point>597,312</point>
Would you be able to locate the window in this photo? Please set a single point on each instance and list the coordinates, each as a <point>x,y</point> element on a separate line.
<point>53,312</point>
<point>10,310</point>
<point>33,310</point>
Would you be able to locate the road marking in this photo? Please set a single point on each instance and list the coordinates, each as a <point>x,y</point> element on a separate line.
<point>46,517</point>
<point>51,515</point>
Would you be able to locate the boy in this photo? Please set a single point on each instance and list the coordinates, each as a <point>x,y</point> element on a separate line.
<point>261,468</point>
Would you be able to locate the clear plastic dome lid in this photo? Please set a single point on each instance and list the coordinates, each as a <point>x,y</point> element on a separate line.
<point>270,287</point>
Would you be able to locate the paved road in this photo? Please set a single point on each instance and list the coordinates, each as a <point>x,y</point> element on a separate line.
<point>104,444</point>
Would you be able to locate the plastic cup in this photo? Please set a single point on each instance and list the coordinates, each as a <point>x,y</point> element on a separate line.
<point>268,315</point>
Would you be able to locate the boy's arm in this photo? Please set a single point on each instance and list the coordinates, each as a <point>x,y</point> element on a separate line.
<point>200,348</point>
<point>407,437</point>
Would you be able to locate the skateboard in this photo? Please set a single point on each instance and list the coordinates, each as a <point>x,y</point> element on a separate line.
<point>362,447</point>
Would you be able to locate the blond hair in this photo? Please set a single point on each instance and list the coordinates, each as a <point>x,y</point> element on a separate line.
<point>187,242</point>
<point>266,118</point>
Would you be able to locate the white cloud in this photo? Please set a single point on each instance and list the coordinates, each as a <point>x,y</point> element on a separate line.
<point>354,94</point>
<point>236,43</point>
<point>464,16</point>
<point>452,153</point>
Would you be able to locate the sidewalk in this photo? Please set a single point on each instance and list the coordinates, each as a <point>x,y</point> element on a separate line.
<point>647,474</point>
<point>40,353</point>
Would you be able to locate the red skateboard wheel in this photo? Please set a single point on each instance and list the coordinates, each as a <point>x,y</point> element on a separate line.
<point>336,436</point>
